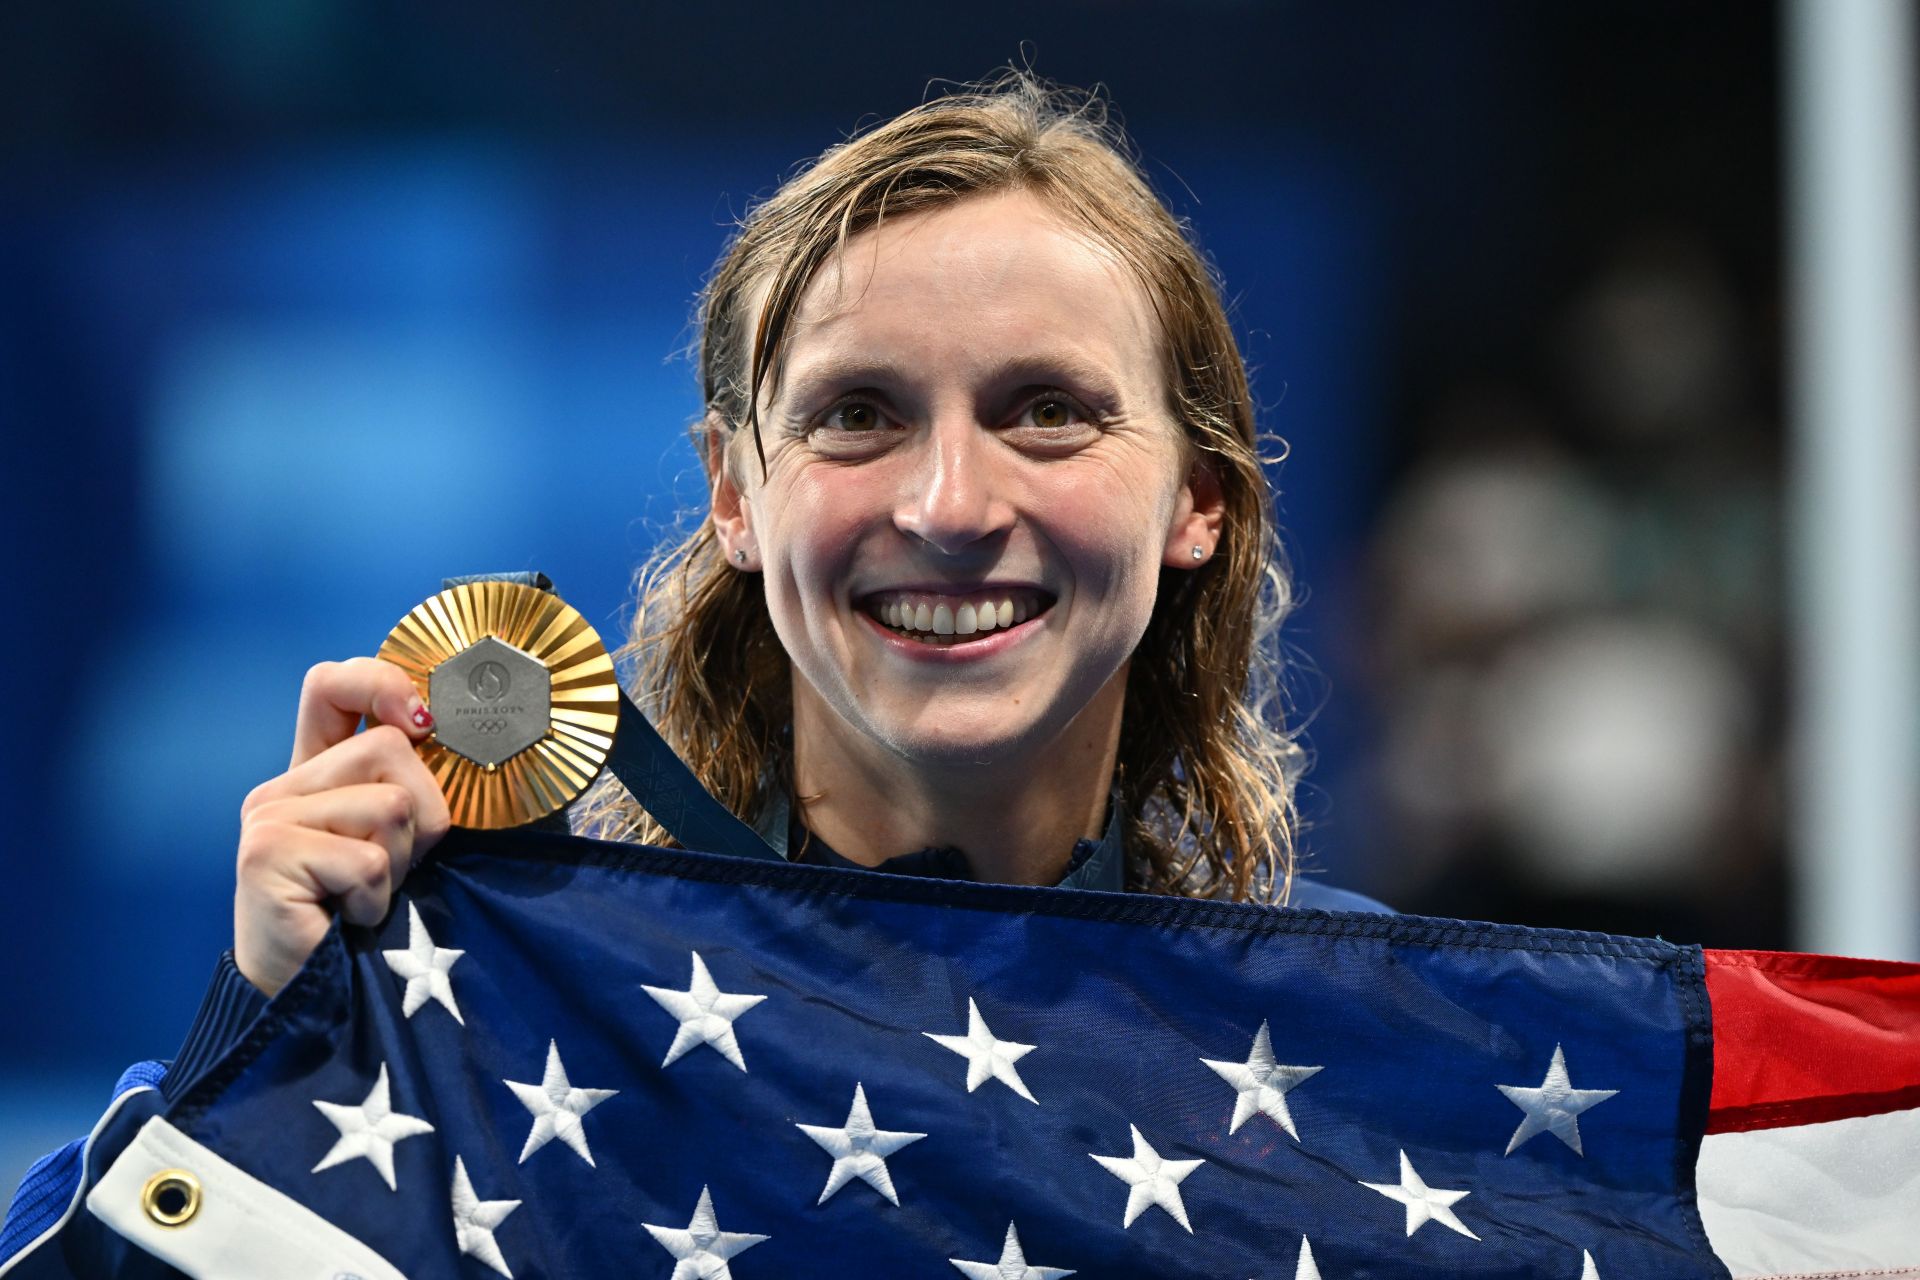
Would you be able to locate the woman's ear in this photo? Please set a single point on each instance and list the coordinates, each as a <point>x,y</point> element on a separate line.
<point>732,513</point>
<point>1199,509</point>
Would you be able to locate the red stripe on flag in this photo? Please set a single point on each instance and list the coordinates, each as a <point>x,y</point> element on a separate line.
<point>1800,1039</point>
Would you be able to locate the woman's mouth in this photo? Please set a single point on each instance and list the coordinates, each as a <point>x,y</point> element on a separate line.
<point>947,620</point>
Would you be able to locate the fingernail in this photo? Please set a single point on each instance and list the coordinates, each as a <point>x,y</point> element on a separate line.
<point>418,713</point>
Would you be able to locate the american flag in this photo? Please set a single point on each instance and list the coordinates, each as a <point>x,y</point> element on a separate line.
<point>565,1057</point>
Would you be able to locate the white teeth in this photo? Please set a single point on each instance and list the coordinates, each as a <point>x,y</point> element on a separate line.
<point>966,618</point>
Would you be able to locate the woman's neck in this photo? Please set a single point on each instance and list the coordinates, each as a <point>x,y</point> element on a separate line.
<point>1015,816</point>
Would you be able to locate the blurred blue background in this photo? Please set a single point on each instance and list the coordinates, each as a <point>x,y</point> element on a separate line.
<point>282,285</point>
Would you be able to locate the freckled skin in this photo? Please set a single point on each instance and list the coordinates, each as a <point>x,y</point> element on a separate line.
<point>945,467</point>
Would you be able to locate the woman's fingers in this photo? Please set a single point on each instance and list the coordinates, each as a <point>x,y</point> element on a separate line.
<point>288,874</point>
<point>341,826</point>
<point>336,696</point>
<point>380,813</point>
<point>382,754</point>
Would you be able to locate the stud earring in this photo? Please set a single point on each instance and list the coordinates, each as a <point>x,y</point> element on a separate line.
<point>1198,554</point>
<point>740,557</point>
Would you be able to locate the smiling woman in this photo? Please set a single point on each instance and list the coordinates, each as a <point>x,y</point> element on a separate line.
<point>989,571</point>
<point>946,486</point>
<point>987,589</point>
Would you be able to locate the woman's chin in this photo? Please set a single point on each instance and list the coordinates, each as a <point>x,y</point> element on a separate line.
<point>964,740</point>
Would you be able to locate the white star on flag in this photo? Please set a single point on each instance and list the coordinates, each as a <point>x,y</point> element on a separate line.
<point>474,1220</point>
<point>706,1015</point>
<point>1554,1107</point>
<point>859,1150</point>
<point>1152,1181</point>
<point>987,1058</point>
<point>424,966</point>
<point>557,1106</point>
<point>369,1130</point>
<point>1262,1084</point>
<point>1587,1270</point>
<point>1013,1264</point>
<point>1306,1268</point>
<point>702,1248</point>
<point>1424,1204</point>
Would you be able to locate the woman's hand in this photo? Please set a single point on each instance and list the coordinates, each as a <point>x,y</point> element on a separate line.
<point>341,825</point>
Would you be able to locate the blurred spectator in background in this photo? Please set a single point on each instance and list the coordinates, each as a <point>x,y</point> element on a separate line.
<point>1573,628</point>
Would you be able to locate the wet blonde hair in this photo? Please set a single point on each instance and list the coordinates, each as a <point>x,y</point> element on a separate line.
<point>1205,768</point>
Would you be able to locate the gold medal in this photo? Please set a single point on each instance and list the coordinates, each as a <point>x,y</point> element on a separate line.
<point>523,695</point>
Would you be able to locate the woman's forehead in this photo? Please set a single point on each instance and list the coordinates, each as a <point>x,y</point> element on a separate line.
<point>999,276</point>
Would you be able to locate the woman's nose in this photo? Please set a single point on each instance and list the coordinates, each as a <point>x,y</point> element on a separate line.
<point>956,499</point>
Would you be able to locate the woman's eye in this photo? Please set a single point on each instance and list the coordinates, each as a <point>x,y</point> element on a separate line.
<point>855,415</point>
<point>1055,413</point>
<point>850,429</point>
<point>1052,413</point>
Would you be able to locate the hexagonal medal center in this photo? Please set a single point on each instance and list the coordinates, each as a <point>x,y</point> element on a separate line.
<point>490,701</point>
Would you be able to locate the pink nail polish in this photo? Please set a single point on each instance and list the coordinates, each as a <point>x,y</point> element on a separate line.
<point>422,718</point>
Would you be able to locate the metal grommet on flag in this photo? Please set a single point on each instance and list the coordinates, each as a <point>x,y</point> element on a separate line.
<point>171,1197</point>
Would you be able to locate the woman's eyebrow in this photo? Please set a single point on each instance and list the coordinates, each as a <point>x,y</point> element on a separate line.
<point>833,372</point>
<point>797,393</point>
<point>1053,367</point>
<point>807,381</point>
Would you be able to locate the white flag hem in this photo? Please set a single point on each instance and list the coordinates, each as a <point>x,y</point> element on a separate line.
<point>238,1226</point>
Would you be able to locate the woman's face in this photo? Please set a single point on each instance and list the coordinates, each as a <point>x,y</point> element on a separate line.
<point>973,479</point>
